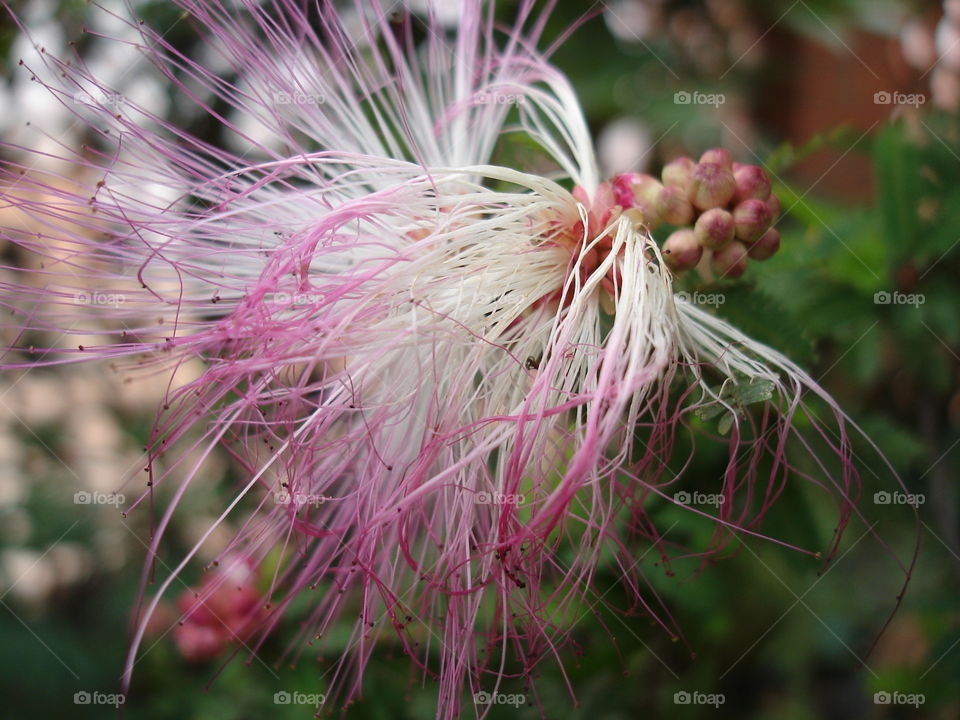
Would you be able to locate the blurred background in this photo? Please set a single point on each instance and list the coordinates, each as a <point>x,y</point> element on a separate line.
<point>852,106</point>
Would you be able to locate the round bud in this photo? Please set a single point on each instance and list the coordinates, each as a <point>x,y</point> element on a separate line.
<point>718,156</point>
<point>773,205</point>
<point>638,190</point>
<point>677,173</point>
<point>752,219</point>
<point>673,207</point>
<point>681,251</point>
<point>711,186</point>
<point>730,261</point>
<point>714,229</point>
<point>752,182</point>
<point>766,247</point>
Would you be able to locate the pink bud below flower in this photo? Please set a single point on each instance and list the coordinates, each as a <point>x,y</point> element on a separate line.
<point>714,229</point>
<point>730,261</point>
<point>773,205</point>
<point>752,219</point>
<point>673,207</point>
<point>681,250</point>
<point>711,186</point>
<point>718,156</point>
<point>752,182</point>
<point>766,247</point>
<point>677,173</point>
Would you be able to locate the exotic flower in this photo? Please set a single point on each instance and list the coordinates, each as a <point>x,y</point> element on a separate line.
<point>467,381</point>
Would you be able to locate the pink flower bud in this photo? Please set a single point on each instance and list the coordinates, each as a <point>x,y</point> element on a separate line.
<point>681,251</point>
<point>677,173</point>
<point>673,207</point>
<point>773,205</point>
<point>752,219</point>
<point>766,247</point>
<point>718,156</point>
<point>645,191</point>
<point>714,229</point>
<point>730,261</point>
<point>711,186</point>
<point>752,182</point>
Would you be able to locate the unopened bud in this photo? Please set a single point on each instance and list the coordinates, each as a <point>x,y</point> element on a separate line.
<point>752,219</point>
<point>677,173</point>
<point>640,191</point>
<point>673,207</point>
<point>766,247</point>
<point>715,228</point>
<point>711,186</point>
<point>718,156</point>
<point>730,261</point>
<point>681,251</point>
<point>752,182</point>
<point>773,205</point>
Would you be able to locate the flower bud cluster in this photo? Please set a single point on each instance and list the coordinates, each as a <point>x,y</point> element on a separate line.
<point>717,205</point>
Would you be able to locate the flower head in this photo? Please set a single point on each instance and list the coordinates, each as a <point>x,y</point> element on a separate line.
<point>467,380</point>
